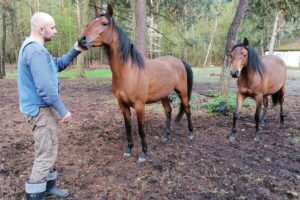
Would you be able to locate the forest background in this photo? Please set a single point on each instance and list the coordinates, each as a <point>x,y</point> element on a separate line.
<point>194,30</point>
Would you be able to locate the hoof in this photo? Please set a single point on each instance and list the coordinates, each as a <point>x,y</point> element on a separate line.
<point>231,137</point>
<point>127,153</point>
<point>142,157</point>
<point>191,136</point>
<point>164,139</point>
<point>256,138</point>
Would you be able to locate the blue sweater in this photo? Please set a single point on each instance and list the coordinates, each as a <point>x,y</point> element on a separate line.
<point>38,85</point>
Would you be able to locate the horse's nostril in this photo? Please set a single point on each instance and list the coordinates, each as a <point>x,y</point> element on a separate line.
<point>234,74</point>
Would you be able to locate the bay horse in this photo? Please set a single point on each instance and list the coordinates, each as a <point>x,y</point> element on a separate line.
<point>136,80</point>
<point>256,78</point>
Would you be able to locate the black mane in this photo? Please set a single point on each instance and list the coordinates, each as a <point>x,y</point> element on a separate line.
<point>254,61</point>
<point>126,48</point>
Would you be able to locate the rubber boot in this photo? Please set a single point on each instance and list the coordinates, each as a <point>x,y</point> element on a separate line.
<point>35,191</point>
<point>51,189</point>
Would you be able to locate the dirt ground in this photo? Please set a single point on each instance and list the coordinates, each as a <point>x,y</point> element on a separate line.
<point>92,166</point>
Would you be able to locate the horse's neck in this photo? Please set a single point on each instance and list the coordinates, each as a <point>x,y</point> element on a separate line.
<point>247,73</point>
<point>114,59</point>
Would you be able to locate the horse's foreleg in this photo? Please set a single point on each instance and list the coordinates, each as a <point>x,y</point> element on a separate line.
<point>127,119</point>
<point>258,101</point>
<point>168,111</point>
<point>239,102</point>
<point>264,116</point>
<point>140,112</point>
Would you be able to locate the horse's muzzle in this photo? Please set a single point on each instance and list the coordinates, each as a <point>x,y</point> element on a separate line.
<point>235,74</point>
<point>82,42</point>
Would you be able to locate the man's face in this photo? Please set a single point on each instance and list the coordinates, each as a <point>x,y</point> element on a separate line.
<point>49,31</point>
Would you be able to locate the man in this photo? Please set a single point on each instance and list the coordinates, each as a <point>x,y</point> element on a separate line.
<point>39,100</point>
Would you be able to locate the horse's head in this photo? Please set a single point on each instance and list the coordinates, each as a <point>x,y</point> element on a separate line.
<point>99,31</point>
<point>239,58</point>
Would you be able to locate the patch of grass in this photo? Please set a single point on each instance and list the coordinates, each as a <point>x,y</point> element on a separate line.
<point>295,140</point>
<point>220,193</point>
<point>214,105</point>
<point>206,74</point>
<point>11,75</point>
<point>250,176</point>
<point>194,104</point>
<point>155,107</point>
<point>242,198</point>
<point>99,73</point>
<point>142,182</point>
<point>181,165</point>
<point>72,73</point>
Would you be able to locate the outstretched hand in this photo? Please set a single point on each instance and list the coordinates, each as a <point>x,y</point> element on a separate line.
<point>66,118</point>
<point>78,48</point>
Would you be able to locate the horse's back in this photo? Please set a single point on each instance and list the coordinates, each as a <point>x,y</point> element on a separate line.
<point>166,65</point>
<point>275,73</point>
<point>164,74</point>
<point>274,65</point>
<point>168,61</point>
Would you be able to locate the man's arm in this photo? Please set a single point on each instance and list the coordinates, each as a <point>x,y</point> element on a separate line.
<point>64,61</point>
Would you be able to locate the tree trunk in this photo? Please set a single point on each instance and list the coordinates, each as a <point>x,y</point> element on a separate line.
<point>140,18</point>
<point>133,21</point>
<point>82,20</point>
<point>276,27</point>
<point>231,40</point>
<point>213,33</point>
<point>3,49</point>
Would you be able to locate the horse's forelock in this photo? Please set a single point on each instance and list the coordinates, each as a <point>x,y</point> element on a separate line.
<point>240,45</point>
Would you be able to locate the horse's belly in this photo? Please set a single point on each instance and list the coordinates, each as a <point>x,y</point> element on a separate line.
<point>158,93</point>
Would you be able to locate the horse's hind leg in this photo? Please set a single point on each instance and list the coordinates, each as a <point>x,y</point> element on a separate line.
<point>281,100</point>
<point>258,101</point>
<point>186,107</point>
<point>127,119</point>
<point>264,116</point>
<point>140,112</point>
<point>168,111</point>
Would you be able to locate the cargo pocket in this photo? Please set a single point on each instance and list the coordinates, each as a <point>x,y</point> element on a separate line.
<point>54,136</point>
<point>36,124</point>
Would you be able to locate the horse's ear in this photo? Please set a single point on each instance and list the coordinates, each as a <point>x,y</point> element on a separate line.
<point>246,42</point>
<point>97,11</point>
<point>110,10</point>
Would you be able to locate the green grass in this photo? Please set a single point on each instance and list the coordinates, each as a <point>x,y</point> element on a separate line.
<point>213,105</point>
<point>102,73</point>
<point>207,74</point>
<point>295,140</point>
<point>72,73</point>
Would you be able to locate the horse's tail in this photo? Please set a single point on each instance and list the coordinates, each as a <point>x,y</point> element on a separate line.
<point>277,97</point>
<point>189,74</point>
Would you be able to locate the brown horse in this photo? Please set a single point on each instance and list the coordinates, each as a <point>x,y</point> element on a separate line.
<point>136,80</point>
<point>257,78</point>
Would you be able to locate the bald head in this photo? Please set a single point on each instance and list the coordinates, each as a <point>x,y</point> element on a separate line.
<point>42,27</point>
<point>41,19</point>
